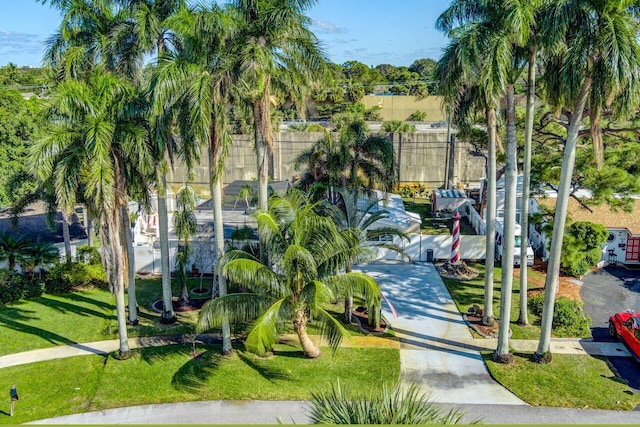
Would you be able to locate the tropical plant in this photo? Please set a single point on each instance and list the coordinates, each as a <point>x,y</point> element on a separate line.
<point>40,254</point>
<point>185,223</point>
<point>305,250</point>
<point>417,116</point>
<point>383,405</point>
<point>195,81</point>
<point>398,126</point>
<point>274,54</point>
<point>358,221</point>
<point>592,61</point>
<point>14,248</point>
<point>95,142</point>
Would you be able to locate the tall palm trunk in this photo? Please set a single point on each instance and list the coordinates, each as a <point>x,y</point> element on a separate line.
<point>168,316</point>
<point>66,236</point>
<point>543,354</point>
<point>131,267</point>
<point>510,180</point>
<point>118,285</point>
<point>262,130</point>
<point>300,327</point>
<point>526,172</point>
<point>488,316</point>
<point>218,227</point>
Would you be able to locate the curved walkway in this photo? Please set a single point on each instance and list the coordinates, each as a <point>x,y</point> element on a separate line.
<point>436,351</point>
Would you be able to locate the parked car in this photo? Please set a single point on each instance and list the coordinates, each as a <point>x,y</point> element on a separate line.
<point>626,327</point>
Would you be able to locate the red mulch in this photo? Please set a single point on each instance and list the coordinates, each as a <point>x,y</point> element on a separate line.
<point>363,316</point>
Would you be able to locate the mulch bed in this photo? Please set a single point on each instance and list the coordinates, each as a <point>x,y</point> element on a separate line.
<point>460,271</point>
<point>361,315</point>
<point>486,331</point>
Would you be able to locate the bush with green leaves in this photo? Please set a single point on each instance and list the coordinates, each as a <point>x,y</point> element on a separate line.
<point>581,247</point>
<point>12,286</point>
<point>568,317</point>
<point>89,254</point>
<point>398,126</point>
<point>418,116</point>
<point>33,288</point>
<point>384,405</point>
<point>68,277</point>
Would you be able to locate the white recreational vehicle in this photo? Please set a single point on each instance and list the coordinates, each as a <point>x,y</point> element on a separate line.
<point>500,244</point>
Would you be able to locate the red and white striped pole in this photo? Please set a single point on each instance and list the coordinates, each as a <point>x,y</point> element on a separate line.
<point>455,245</point>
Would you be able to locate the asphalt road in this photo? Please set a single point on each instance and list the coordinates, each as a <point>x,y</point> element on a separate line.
<point>605,292</point>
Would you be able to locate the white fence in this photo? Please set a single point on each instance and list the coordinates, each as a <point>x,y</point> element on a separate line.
<point>475,220</point>
<point>421,245</point>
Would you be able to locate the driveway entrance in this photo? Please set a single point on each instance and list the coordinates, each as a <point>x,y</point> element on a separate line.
<point>605,292</point>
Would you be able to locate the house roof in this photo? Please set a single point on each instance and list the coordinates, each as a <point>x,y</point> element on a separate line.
<point>33,225</point>
<point>601,214</point>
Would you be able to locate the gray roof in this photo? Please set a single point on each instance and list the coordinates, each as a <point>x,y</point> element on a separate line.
<point>33,225</point>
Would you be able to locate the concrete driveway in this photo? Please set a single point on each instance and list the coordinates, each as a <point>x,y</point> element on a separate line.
<point>431,332</point>
<point>605,292</point>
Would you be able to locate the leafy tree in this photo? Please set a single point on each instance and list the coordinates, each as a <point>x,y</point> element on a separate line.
<point>581,248</point>
<point>18,127</point>
<point>584,69</point>
<point>424,67</point>
<point>305,251</point>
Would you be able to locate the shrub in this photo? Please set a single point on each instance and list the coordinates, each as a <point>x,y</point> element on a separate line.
<point>33,289</point>
<point>68,277</point>
<point>379,406</point>
<point>581,247</point>
<point>11,286</point>
<point>568,318</point>
<point>418,116</point>
<point>89,254</point>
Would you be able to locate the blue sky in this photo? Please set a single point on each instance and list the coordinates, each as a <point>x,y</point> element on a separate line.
<point>370,31</point>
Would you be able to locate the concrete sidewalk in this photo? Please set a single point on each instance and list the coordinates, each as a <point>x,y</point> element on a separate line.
<point>297,412</point>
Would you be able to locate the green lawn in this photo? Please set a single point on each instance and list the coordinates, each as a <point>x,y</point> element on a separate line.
<point>83,316</point>
<point>88,316</point>
<point>469,292</point>
<point>170,374</point>
<point>434,225</point>
<point>571,381</point>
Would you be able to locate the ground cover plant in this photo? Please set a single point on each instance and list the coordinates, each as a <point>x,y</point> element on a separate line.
<point>173,374</point>
<point>571,381</point>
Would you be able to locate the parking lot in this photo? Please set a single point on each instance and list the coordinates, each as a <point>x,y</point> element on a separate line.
<point>605,292</point>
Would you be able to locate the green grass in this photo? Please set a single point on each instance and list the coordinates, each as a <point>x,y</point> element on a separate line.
<point>469,292</point>
<point>83,316</point>
<point>434,225</point>
<point>572,381</point>
<point>88,316</point>
<point>170,374</point>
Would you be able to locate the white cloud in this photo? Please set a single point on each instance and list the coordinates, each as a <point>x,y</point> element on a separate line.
<point>13,43</point>
<point>327,27</point>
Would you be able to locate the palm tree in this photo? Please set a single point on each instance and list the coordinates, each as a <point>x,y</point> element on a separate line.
<point>273,52</point>
<point>195,82</point>
<point>458,71</point>
<point>94,141</point>
<point>592,59</point>
<point>359,224</point>
<point>306,250</point>
<point>146,30</point>
<point>185,223</point>
<point>40,254</point>
<point>14,248</point>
